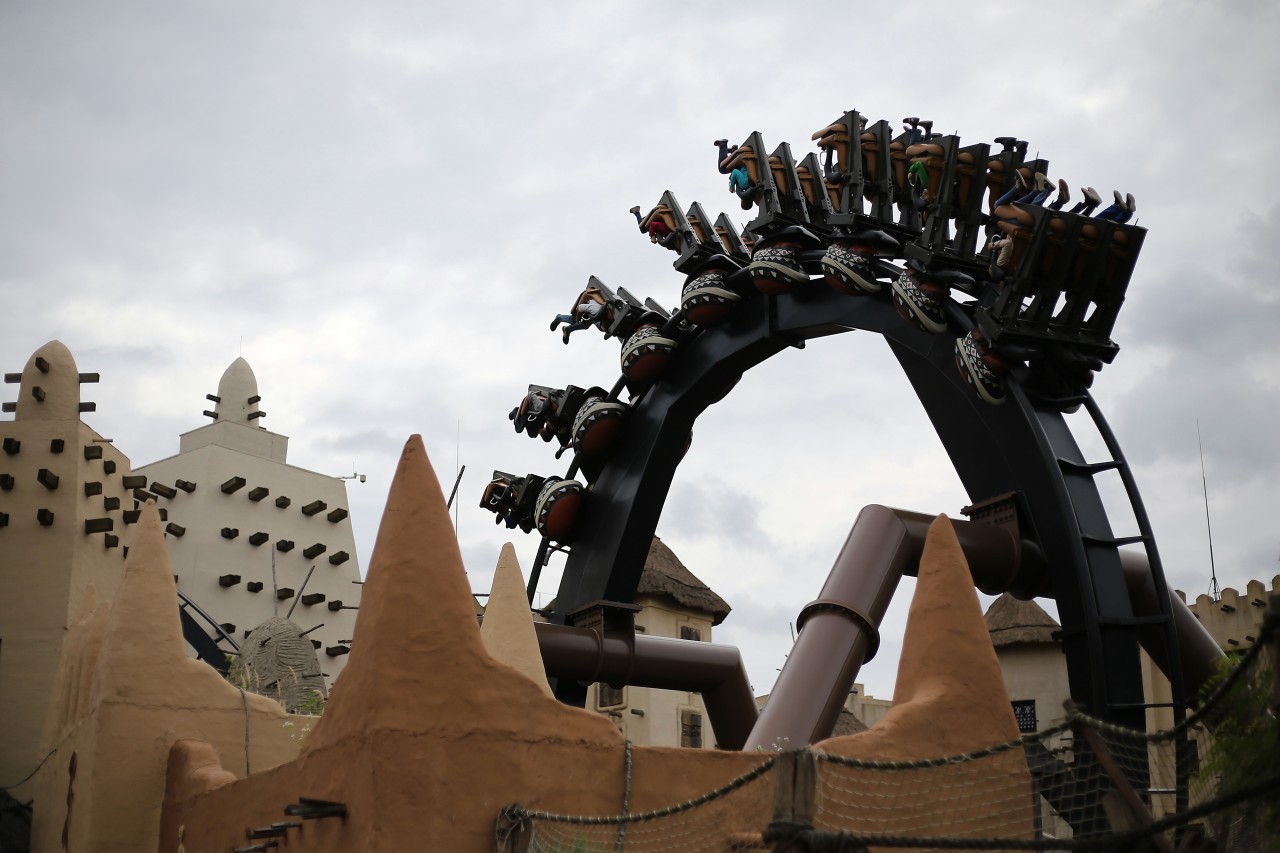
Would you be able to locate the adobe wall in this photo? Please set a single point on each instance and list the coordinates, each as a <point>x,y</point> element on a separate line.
<point>46,568</point>
<point>126,692</point>
<point>427,737</point>
<point>1233,620</point>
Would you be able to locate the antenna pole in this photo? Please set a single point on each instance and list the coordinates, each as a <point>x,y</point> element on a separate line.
<point>1214,590</point>
<point>457,463</point>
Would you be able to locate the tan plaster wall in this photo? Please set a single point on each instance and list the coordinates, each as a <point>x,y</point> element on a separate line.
<point>425,757</point>
<point>426,737</point>
<point>869,709</point>
<point>45,571</point>
<point>127,691</point>
<point>1234,619</point>
<point>1037,671</point>
<point>408,791</point>
<point>237,437</point>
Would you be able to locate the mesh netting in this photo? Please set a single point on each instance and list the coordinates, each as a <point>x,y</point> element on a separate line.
<point>731,817</point>
<point>1212,782</point>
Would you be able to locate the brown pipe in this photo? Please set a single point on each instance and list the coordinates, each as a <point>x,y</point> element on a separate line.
<point>840,630</point>
<point>1199,653</point>
<point>715,671</point>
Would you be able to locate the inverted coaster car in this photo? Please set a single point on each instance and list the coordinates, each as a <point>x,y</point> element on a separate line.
<point>556,509</point>
<point>596,425</point>
<point>707,299</point>
<point>645,354</point>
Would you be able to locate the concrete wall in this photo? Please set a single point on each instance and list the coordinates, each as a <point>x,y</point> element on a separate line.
<point>236,445</point>
<point>202,554</point>
<point>1038,672</point>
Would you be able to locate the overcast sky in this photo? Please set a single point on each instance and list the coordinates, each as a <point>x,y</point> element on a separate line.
<point>381,206</point>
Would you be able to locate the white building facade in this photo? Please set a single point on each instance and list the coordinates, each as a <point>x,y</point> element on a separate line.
<point>252,537</point>
<point>673,603</point>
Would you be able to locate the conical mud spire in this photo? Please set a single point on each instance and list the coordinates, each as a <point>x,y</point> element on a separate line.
<point>50,385</point>
<point>507,631</point>
<point>417,662</point>
<point>950,696</point>
<point>142,642</point>
<point>947,645</point>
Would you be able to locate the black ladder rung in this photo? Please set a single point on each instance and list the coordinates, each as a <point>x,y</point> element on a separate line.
<point>1058,402</point>
<point>1089,468</point>
<point>1132,621</point>
<point>1112,540</point>
<point>1129,706</point>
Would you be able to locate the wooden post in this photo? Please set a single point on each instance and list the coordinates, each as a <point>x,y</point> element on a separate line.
<point>794,794</point>
<point>784,772</point>
<point>515,836</point>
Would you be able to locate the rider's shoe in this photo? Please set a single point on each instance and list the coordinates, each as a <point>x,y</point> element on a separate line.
<point>918,302</point>
<point>980,368</point>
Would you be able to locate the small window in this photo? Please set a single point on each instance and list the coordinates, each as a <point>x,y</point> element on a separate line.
<point>688,632</point>
<point>610,697</point>
<point>1024,711</point>
<point>691,729</point>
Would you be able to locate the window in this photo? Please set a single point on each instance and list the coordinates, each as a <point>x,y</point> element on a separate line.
<point>691,729</point>
<point>1024,711</point>
<point>610,697</point>
<point>688,632</point>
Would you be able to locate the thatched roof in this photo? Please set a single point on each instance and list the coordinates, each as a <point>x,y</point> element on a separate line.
<point>848,724</point>
<point>665,575</point>
<point>1011,620</point>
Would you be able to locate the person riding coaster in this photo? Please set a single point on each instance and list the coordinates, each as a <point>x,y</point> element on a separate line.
<point>658,225</point>
<point>531,414</point>
<point>741,165</point>
<point>505,496</point>
<point>1059,281</point>
<point>847,263</point>
<point>590,309</point>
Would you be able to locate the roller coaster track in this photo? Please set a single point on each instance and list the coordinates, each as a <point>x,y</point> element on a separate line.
<point>1023,448</point>
<point>206,647</point>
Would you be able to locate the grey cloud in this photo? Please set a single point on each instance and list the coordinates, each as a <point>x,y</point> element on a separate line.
<point>712,508</point>
<point>388,202</point>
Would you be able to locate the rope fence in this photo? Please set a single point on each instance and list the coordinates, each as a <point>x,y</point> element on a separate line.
<point>1210,783</point>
